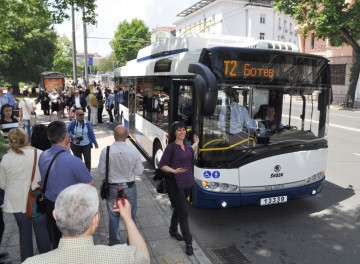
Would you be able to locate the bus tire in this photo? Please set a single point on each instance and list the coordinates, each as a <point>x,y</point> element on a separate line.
<point>157,154</point>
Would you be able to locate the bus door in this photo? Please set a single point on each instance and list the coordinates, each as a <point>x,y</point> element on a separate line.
<point>182,103</point>
<point>132,105</point>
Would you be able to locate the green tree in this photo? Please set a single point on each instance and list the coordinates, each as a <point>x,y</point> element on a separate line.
<point>63,56</point>
<point>26,40</point>
<point>129,39</point>
<point>337,20</point>
<point>106,64</point>
<point>59,10</point>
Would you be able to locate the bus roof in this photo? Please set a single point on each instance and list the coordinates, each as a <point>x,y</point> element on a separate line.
<point>172,56</point>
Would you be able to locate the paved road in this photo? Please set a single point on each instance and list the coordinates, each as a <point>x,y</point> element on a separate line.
<point>321,229</point>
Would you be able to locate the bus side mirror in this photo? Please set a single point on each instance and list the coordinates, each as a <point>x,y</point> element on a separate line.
<point>205,85</point>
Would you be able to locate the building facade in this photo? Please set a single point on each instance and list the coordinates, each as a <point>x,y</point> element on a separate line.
<point>256,19</point>
<point>341,60</point>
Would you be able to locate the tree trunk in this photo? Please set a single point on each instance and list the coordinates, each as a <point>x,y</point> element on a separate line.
<point>355,71</point>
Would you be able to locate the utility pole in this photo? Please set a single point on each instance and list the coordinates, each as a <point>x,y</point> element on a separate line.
<point>73,44</point>
<point>85,52</point>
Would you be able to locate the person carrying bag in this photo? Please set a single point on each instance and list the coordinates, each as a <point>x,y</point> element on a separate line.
<point>27,116</point>
<point>181,180</point>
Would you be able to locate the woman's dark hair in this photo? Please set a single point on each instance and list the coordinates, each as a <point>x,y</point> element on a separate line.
<point>3,109</point>
<point>39,138</point>
<point>175,126</point>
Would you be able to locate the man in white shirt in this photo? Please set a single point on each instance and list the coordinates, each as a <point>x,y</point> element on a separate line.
<point>124,164</point>
<point>26,106</point>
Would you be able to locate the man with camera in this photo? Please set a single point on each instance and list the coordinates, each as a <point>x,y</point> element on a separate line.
<point>83,137</point>
<point>77,215</point>
<point>124,164</point>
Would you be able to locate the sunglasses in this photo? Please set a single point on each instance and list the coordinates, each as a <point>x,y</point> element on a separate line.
<point>81,114</point>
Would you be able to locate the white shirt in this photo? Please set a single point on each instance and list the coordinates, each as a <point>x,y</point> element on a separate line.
<point>15,177</point>
<point>124,163</point>
<point>27,105</point>
<point>77,102</point>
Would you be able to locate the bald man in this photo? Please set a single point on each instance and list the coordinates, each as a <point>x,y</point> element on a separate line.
<point>124,164</point>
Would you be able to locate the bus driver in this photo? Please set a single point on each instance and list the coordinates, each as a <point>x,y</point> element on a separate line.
<point>271,122</point>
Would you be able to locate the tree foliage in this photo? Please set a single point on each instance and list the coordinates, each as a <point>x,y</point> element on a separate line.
<point>60,10</point>
<point>106,64</point>
<point>27,38</point>
<point>129,39</point>
<point>27,41</point>
<point>337,20</point>
<point>63,56</point>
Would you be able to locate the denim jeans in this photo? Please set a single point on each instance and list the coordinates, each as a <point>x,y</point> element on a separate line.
<point>28,129</point>
<point>114,217</point>
<point>26,225</point>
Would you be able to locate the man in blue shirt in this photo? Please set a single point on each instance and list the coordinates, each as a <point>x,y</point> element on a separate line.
<point>66,170</point>
<point>10,98</point>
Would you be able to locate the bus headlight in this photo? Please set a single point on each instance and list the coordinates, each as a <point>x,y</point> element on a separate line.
<point>218,186</point>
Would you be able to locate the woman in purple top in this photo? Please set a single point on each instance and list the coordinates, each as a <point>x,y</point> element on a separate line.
<point>180,185</point>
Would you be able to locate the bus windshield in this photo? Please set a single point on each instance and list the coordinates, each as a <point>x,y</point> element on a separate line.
<point>267,104</point>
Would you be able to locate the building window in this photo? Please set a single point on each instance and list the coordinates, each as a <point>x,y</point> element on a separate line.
<point>262,36</point>
<point>338,73</point>
<point>262,19</point>
<point>280,24</point>
<point>312,44</point>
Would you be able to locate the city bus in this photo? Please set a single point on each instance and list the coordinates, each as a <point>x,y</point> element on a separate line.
<point>214,85</point>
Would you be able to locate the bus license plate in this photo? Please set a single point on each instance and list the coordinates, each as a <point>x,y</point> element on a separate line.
<point>273,200</point>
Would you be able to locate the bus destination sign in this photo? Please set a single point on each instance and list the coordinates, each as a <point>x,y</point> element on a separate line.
<point>236,69</point>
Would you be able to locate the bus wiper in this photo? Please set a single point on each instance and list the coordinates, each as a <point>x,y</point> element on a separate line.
<point>244,155</point>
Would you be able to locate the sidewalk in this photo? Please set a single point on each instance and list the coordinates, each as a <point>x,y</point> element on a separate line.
<point>153,214</point>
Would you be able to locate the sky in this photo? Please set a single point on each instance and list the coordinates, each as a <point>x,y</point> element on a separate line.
<point>111,13</point>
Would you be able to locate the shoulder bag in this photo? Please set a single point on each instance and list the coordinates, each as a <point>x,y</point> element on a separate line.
<point>30,205</point>
<point>104,189</point>
<point>161,176</point>
<point>41,199</point>
<point>32,114</point>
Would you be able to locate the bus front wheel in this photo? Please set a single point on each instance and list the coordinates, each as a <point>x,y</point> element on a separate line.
<point>158,152</point>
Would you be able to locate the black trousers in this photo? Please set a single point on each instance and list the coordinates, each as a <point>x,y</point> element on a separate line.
<point>178,199</point>
<point>80,151</point>
<point>111,116</point>
<point>100,111</point>
<point>54,231</point>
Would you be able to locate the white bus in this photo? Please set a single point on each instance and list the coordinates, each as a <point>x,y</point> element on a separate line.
<point>195,80</point>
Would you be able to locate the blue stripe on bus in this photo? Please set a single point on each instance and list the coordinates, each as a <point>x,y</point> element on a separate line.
<point>205,199</point>
<point>162,54</point>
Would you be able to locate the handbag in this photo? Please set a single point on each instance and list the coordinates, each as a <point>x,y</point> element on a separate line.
<point>41,199</point>
<point>104,188</point>
<point>30,204</point>
<point>161,176</point>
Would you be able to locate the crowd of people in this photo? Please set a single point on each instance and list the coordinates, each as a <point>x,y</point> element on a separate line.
<point>60,156</point>
<point>55,159</point>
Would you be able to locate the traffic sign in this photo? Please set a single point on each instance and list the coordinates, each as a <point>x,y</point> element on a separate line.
<point>90,61</point>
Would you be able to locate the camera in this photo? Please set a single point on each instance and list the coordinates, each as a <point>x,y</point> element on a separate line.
<point>78,139</point>
<point>120,196</point>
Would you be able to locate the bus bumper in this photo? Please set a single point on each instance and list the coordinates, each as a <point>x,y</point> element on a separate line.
<point>208,200</point>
